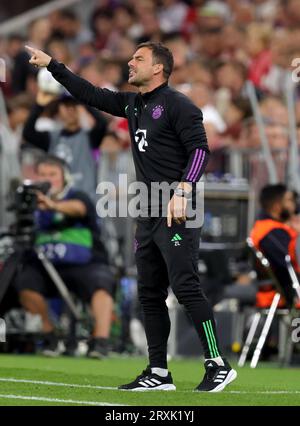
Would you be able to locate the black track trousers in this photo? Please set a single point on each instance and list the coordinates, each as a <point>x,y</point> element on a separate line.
<point>168,256</point>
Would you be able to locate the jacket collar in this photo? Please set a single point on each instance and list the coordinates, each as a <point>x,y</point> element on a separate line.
<point>146,96</point>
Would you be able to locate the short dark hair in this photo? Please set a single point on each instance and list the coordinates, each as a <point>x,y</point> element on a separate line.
<point>52,160</point>
<point>236,65</point>
<point>161,55</point>
<point>67,100</point>
<point>68,14</point>
<point>271,194</point>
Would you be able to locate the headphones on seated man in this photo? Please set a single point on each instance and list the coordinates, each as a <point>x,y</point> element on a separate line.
<point>62,164</point>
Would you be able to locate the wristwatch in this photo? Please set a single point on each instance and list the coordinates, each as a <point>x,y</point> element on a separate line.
<point>180,192</point>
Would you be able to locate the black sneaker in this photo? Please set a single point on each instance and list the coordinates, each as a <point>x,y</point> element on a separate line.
<point>98,348</point>
<point>148,381</point>
<point>216,377</point>
<point>50,345</point>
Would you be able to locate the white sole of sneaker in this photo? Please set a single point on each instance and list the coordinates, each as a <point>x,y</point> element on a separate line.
<point>230,378</point>
<point>166,387</point>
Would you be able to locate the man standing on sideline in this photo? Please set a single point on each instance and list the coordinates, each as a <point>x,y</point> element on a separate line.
<point>169,145</point>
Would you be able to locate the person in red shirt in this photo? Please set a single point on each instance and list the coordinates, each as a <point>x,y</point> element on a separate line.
<point>258,47</point>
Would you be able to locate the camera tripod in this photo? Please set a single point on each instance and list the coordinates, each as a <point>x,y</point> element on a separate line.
<point>12,265</point>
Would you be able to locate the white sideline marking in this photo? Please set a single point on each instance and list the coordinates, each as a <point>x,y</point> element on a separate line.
<point>66,401</point>
<point>41,382</point>
<point>280,392</point>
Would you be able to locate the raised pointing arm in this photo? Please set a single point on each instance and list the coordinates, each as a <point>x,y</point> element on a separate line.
<point>106,100</point>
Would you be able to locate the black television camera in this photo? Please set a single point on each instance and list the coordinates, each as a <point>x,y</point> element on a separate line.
<point>24,204</point>
<point>22,233</point>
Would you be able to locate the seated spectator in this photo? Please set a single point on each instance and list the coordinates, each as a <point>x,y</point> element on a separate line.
<point>274,110</point>
<point>172,15</point>
<point>234,116</point>
<point>232,76</point>
<point>232,43</point>
<point>23,73</point>
<point>103,27</point>
<point>291,10</point>
<point>147,28</point>
<point>59,49</point>
<point>9,50</point>
<point>72,143</point>
<point>276,233</point>
<point>11,124</point>
<point>277,136</point>
<point>258,40</point>
<point>201,72</point>
<point>181,52</point>
<point>68,234</point>
<point>96,73</point>
<point>210,44</point>
<point>18,109</point>
<point>214,124</point>
<point>69,27</point>
<point>202,96</point>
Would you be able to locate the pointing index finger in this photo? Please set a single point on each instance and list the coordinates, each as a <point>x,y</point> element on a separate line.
<point>30,49</point>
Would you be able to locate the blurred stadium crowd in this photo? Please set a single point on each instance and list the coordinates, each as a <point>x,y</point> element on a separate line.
<point>217,46</point>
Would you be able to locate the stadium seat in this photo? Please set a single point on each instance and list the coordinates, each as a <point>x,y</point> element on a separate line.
<point>270,302</point>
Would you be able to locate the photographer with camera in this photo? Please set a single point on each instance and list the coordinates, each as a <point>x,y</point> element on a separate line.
<point>68,234</point>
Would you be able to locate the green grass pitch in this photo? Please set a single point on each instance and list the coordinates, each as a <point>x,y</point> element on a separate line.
<point>34,380</point>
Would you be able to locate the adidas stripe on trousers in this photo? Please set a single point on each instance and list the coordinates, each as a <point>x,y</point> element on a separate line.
<point>169,257</point>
